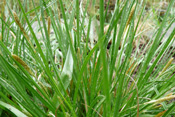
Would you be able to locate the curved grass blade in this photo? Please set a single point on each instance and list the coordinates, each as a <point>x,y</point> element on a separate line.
<point>12,109</point>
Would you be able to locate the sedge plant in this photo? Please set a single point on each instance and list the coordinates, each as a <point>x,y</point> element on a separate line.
<point>79,63</point>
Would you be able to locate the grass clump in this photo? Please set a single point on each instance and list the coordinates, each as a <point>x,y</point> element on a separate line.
<point>76,59</point>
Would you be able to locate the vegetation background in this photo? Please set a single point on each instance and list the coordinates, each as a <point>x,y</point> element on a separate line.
<point>87,58</point>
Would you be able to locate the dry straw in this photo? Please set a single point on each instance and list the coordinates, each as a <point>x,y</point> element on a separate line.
<point>160,114</point>
<point>167,65</point>
<point>13,35</point>
<point>158,101</point>
<point>20,61</point>
<point>161,100</point>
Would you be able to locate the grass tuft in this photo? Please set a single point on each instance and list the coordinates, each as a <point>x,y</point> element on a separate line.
<point>87,58</point>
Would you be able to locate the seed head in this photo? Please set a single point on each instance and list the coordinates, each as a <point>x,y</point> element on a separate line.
<point>20,61</point>
<point>22,28</point>
<point>131,14</point>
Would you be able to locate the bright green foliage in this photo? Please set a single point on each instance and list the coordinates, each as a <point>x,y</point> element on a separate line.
<point>73,71</point>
